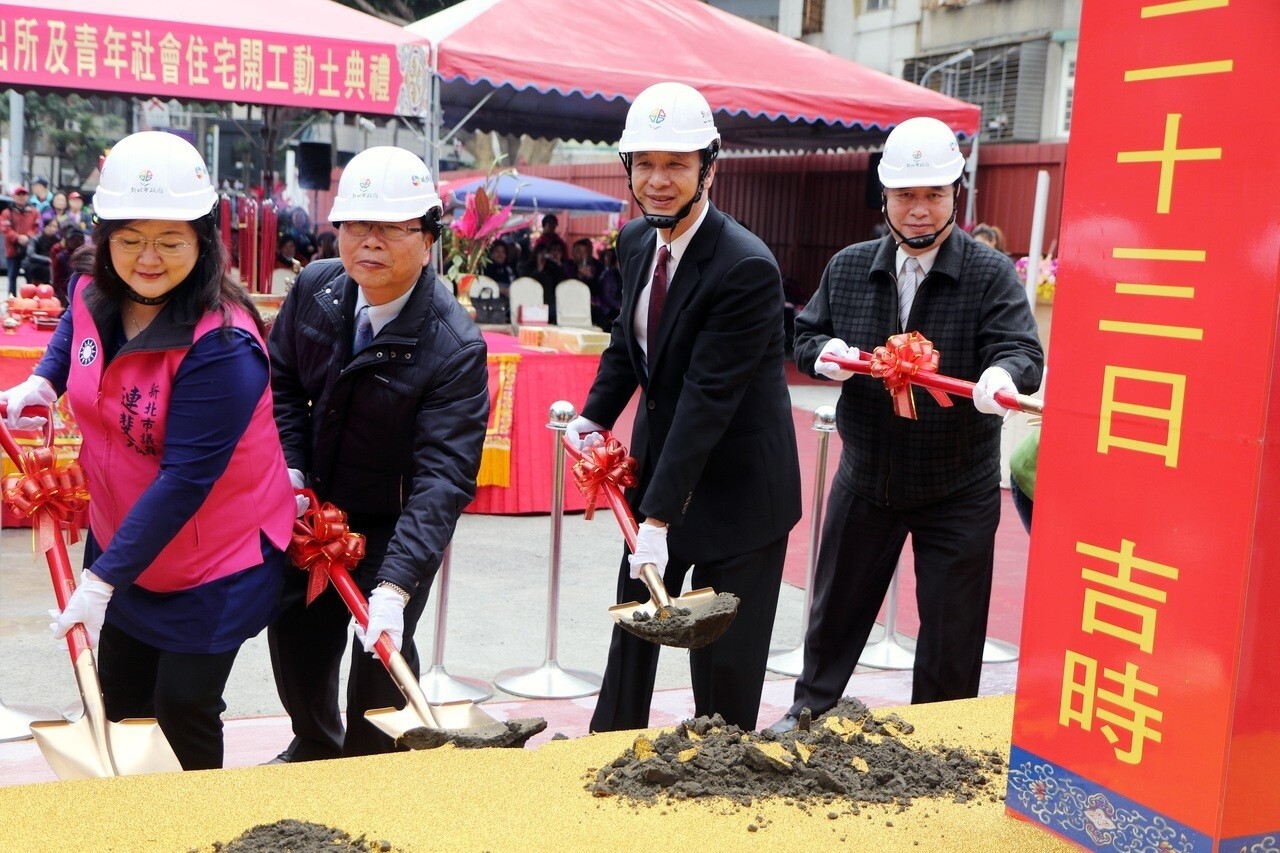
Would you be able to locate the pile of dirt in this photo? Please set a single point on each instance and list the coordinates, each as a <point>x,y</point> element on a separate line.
<point>846,754</point>
<point>296,836</point>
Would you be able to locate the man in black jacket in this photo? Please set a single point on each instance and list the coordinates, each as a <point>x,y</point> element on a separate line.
<point>381,397</point>
<point>700,331</point>
<point>937,476</point>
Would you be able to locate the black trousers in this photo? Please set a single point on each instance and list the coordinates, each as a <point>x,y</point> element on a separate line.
<point>307,644</point>
<point>727,675</point>
<point>954,546</point>
<point>183,692</point>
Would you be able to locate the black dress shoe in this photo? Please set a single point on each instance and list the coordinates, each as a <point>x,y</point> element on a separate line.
<point>282,758</point>
<point>787,724</point>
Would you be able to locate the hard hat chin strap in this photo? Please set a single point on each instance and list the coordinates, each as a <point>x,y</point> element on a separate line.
<point>666,223</point>
<point>924,241</point>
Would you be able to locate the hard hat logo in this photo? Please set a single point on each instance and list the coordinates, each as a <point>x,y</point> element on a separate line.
<point>416,180</point>
<point>365,184</point>
<point>917,154</point>
<point>200,173</point>
<point>146,175</point>
<point>658,116</point>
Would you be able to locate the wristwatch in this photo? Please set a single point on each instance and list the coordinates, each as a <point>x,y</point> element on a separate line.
<point>400,591</point>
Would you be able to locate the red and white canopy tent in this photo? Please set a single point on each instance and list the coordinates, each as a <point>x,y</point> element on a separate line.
<point>295,53</point>
<point>569,70</point>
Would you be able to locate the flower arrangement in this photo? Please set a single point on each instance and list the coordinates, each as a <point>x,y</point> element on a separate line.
<point>1047,281</point>
<point>607,240</point>
<point>466,240</point>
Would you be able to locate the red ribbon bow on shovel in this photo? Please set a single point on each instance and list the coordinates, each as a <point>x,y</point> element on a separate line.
<point>607,462</point>
<point>898,362</point>
<point>62,490</point>
<point>321,539</point>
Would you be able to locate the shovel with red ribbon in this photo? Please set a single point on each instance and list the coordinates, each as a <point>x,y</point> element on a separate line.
<point>910,359</point>
<point>688,621</point>
<point>91,747</point>
<point>325,546</point>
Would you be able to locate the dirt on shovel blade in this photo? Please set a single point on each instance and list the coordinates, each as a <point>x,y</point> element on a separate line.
<point>512,733</point>
<point>845,757</point>
<point>685,627</point>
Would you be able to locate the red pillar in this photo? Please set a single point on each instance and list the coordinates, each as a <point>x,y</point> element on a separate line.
<point>1148,702</point>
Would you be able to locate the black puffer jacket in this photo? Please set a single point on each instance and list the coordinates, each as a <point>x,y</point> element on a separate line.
<point>973,308</point>
<point>393,436</point>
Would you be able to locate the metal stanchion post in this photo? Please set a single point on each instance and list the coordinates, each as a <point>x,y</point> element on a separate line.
<point>549,681</point>
<point>824,423</point>
<point>437,684</point>
<point>894,651</point>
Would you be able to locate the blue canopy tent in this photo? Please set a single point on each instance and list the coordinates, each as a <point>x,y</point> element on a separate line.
<point>533,193</point>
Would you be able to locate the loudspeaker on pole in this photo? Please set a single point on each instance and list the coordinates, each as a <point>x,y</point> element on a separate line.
<point>315,165</point>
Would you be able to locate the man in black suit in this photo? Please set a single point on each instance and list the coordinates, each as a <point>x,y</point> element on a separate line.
<point>700,332</point>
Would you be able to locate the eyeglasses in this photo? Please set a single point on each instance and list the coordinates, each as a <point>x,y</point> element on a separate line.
<point>389,231</point>
<point>163,245</point>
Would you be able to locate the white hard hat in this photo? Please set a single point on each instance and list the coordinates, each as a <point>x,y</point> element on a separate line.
<point>154,175</point>
<point>384,184</point>
<point>668,117</point>
<point>920,152</point>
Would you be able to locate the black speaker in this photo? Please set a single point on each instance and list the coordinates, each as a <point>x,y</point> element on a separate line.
<point>873,180</point>
<point>315,165</point>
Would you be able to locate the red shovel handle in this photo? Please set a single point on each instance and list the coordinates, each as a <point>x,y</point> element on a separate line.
<point>64,583</point>
<point>946,384</point>
<point>359,607</point>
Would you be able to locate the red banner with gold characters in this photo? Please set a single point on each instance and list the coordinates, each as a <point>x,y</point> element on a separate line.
<point>97,51</point>
<point>1148,703</point>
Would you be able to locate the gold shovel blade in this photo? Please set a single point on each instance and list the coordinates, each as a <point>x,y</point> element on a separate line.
<point>132,747</point>
<point>462,714</point>
<point>690,599</point>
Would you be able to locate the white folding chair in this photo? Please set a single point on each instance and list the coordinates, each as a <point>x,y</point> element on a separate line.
<point>524,291</point>
<point>479,283</point>
<point>573,304</point>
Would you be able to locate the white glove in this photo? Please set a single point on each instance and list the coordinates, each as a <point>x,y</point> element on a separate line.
<point>33,391</point>
<point>993,379</point>
<point>87,606</point>
<point>386,616</point>
<point>583,433</point>
<point>651,547</point>
<point>299,481</point>
<point>840,349</point>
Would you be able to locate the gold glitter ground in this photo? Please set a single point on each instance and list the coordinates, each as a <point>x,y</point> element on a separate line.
<point>504,800</point>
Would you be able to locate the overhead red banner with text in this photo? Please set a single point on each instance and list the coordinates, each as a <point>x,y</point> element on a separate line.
<point>299,53</point>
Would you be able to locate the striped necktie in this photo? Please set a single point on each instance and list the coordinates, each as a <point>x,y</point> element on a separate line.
<point>911,275</point>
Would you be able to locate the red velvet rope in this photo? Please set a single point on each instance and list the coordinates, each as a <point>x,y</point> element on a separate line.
<point>62,490</point>
<point>321,539</point>
<point>603,462</point>
<point>901,358</point>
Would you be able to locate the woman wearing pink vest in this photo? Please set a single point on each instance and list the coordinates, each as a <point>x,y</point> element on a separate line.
<point>162,358</point>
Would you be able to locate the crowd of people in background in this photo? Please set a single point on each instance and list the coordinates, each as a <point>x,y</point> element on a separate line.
<point>549,259</point>
<point>41,229</point>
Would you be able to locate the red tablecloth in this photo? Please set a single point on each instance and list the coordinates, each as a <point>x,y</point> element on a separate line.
<point>541,378</point>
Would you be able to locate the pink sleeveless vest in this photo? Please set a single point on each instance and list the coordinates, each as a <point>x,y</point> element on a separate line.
<point>122,412</point>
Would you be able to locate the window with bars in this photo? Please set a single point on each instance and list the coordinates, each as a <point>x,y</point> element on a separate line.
<point>1067,91</point>
<point>1007,81</point>
<point>876,5</point>
<point>812,17</point>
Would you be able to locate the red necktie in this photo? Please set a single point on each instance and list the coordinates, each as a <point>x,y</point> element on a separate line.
<point>657,296</point>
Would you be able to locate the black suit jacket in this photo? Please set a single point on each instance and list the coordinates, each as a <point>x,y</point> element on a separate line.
<point>713,437</point>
